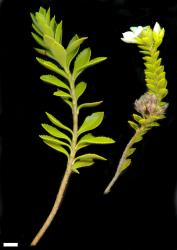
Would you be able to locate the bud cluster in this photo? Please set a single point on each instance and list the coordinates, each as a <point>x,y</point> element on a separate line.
<point>148,104</point>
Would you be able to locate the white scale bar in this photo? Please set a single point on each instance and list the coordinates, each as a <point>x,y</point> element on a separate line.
<point>12,244</point>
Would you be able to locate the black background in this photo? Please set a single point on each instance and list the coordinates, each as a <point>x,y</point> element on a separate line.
<point>140,211</point>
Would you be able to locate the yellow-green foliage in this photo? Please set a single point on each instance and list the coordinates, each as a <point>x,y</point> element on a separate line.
<point>65,65</point>
<point>149,106</point>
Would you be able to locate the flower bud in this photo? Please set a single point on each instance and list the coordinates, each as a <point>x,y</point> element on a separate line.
<point>148,104</point>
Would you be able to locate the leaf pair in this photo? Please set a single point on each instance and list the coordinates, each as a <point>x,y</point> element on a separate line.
<point>56,138</point>
<point>85,160</point>
<point>91,122</point>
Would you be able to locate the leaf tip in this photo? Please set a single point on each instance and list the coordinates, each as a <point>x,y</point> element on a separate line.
<point>75,171</point>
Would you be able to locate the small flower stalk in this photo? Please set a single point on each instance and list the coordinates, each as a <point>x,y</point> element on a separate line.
<point>150,107</point>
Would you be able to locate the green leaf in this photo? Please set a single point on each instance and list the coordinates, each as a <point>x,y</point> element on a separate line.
<point>89,105</point>
<point>150,67</point>
<point>133,125</point>
<point>138,138</point>
<point>43,52</point>
<point>55,132</point>
<point>89,157</point>
<point>80,88</point>
<point>163,92</point>
<point>52,67</point>
<point>75,44</point>
<point>49,138</point>
<point>57,50</point>
<point>162,83</point>
<point>72,55</point>
<point>38,39</point>
<point>158,62</point>
<point>147,58</point>
<point>144,52</point>
<point>142,121</point>
<point>144,48</point>
<point>145,130</point>
<point>57,147</point>
<point>90,139</point>
<point>73,39</point>
<point>157,117</point>
<point>37,29</point>
<point>124,165</point>
<point>58,33</point>
<point>43,25</point>
<point>81,164</point>
<point>73,48</point>
<point>152,88</point>
<point>160,72</point>
<point>42,11</point>
<point>79,146</point>
<point>150,81</point>
<point>68,102</point>
<point>89,64</point>
<point>51,79</point>
<point>48,31</point>
<point>163,104</point>
<point>53,24</point>
<point>156,55</point>
<point>75,170</point>
<point>33,17</point>
<point>40,21</point>
<point>57,123</point>
<point>146,40</point>
<point>150,75</point>
<point>91,122</point>
<point>136,117</point>
<point>154,124</point>
<point>130,152</point>
<point>82,59</point>
<point>48,16</point>
<point>61,94</point>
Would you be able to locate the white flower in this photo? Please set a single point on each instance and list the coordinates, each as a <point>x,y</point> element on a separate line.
<point>158,34</point>
<point>130,36</point>
<point>157,28</point>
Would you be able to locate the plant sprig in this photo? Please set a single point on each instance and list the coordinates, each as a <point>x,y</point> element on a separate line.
<point>150,106</point>
<point>66,64</point>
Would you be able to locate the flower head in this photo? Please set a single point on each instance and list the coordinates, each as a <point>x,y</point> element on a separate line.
<point>148,104</point>
<point>130,36</point>
<point>145,36</point>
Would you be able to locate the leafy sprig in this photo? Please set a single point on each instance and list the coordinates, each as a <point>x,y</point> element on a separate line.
<point>150,106</point>
<point>65,65</point>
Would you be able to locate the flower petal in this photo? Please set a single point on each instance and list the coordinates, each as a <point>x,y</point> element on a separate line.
<point>157,28</point>
<point>128,37</point>
<point>139,30</point>
<point>133,28</point>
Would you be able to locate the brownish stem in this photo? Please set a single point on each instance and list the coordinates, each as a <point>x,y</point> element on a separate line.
<point>122,160</point>
<point>54,208</point>
<point>68,171</point>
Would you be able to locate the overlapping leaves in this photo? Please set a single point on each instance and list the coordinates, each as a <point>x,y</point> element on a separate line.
<point>48,34</point>
<point>156,84</point>
<point>66,64</point>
